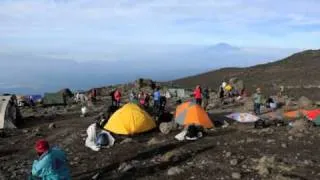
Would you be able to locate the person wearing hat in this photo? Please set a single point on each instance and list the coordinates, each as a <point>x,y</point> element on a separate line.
<point>257,99</point>
<point>51,164</point>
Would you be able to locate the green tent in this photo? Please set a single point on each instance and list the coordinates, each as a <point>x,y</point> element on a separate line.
<point>54,99</point>
<point>317,121</point>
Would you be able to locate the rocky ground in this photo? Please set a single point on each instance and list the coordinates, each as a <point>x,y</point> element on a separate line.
<point>238,151</point>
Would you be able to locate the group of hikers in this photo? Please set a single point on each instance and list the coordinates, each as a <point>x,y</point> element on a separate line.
<point>52,162</point>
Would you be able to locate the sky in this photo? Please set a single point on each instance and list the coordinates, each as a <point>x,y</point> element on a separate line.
<point>106,29</point>
<point>140,35</point>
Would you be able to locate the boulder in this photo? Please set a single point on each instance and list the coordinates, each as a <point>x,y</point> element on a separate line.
<point>52,126</point>
<point>236,175</point>
<point>298,127</point>
<point>154,141</point>
<point>125,167</point>
<point>248,105</point>
<point>174,155</point>
<point>304,102</point>
<point>127,140</point>
<point>234,162</point>
<point>174,171</point>
<point>167,127</point>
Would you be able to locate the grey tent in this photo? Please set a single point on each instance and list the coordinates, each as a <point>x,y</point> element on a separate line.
<point>9,113</point>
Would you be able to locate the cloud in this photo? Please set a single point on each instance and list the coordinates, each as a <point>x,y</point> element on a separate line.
<point>106,28</point>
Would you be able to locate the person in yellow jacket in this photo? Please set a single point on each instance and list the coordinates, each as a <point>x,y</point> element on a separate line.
<point>228,90</point>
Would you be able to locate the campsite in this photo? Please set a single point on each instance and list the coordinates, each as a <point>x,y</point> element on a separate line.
<point>231,147</point>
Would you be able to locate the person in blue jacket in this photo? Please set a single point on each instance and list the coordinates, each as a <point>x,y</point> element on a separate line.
<point>156,100</point>
<point>52,163</point>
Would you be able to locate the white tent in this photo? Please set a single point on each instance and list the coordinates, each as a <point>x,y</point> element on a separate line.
<point>8,112</point>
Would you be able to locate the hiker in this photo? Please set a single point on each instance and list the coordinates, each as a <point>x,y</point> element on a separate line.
<point>244,93</point>
<point>271,104</point>
<point>147,100</point>
<point>31,101</point>
<point>93,95</point>
<point>156,100</point>
<point>113,101</point>
<point>281,91</point>
<point>257,99</point>
<point>228,90</point>
<point>132,96</point>
<point>77,97</point>
<point>159,111</point>
<point>206,98</point>
<point>197,95</point>
<point>84,111</point>
<point>141,97</point>
<point>92,136</point>
<point>117,97</point>
<point>51,163</point>
<point>163,102</point>
<point>221,91</point>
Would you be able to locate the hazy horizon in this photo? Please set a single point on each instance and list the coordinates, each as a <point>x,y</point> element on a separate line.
<point>52,44</point>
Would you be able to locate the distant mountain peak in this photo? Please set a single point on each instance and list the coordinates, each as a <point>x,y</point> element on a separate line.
<point>224,47</point>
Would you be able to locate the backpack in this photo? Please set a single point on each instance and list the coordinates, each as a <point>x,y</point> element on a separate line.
<point>260,124</point>
<point>103,139</point>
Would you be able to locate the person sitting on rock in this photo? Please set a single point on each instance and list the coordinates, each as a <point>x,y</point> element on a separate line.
<point>51,163</point>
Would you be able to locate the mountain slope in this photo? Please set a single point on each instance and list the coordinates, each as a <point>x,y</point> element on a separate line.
<point>300,69</point>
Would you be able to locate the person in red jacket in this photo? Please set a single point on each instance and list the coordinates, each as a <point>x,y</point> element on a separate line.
<point>93,95</point>
<point>117,97</point>
<point>198,95</point>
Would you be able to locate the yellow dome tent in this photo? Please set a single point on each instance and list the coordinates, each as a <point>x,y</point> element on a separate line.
<point>130,119</point>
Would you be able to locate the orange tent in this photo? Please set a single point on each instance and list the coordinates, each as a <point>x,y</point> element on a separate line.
<point>295,114</point>
<point>191,113</point>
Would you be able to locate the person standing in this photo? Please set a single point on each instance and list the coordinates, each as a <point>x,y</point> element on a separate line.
<point>117,97</point>
<point>93,95</point>
<point>132,96</point>
<point>51,163</point>
<point>142,98</point>
<point>198,95</point>
<point>206,98</point>
<point>156,100</point>
<point>257,100</point>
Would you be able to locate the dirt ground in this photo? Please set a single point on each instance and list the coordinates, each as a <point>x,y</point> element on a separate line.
<point>237,152</point>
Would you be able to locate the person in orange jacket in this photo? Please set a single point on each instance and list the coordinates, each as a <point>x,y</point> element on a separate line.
<point>198,95</point>
<point>117,97</point>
